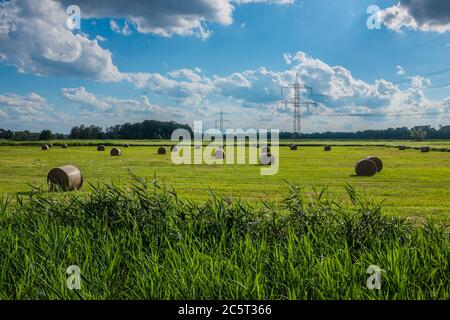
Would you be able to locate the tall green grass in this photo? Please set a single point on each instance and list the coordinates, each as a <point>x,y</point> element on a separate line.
<point>145,243</point>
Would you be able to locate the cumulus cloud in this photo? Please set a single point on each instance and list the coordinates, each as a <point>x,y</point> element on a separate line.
<point>94,106</point>
<point>424,15</point>
<point>81,95</point>
<point>335,89</point>
<point>30,111</point>
<point>168,17</point>
<point>161,17</point>
<point>34,39</point>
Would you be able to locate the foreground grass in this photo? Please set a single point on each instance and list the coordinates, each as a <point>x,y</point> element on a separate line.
<point>146,243</point>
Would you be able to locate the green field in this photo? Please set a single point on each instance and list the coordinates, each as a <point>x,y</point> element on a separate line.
<point>411,183</point>
<point>131,238</point>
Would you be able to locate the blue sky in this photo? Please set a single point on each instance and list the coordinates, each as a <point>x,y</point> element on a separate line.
<point>150,60</point>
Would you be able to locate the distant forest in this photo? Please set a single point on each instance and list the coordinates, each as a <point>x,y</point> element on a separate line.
<point>152,129</point>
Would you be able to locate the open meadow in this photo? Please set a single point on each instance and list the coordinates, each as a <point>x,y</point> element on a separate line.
<point>411,184</point>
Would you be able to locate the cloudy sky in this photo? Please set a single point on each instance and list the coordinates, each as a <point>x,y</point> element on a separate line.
<point>184,60</point>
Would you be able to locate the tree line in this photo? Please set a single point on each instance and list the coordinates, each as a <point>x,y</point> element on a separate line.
<point>417,133</point>
<point>152,129</point>
<point>148,129</point>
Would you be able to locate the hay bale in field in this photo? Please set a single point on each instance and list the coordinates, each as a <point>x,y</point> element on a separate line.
<point>197,147</point>
<point>101,148</point>
<point>173,149</point>
<point>293,147</point>
<point>365,168</point>
<point>425,149</point>
<point>115,152</point>
<point>126,145</point>
<point>266,159</point>
<point>65,178</point>
<point>64,146</point>
<point>402,148</point>
<point>219,154</point>
<point>45,147</point>
<point>377,161</point>
<point>162,150</point>
<point>327,148</point>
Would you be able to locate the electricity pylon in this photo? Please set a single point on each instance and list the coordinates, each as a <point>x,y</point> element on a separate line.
<point>296,103</point>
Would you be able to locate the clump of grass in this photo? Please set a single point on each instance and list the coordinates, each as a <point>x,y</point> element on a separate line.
<point>144,242</point>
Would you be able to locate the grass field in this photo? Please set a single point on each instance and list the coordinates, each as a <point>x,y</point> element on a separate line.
<point>145,243</point>
<point>311,238</point>
<point>411,183</point>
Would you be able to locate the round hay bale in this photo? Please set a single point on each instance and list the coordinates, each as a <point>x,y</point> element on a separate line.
<point>327,148</point>
<point>64,146</point>
<point>377,161</point>
<point>115,152</point>
<point>293,147</point>
<point>266,159</point>
<point>162,150</point>
<point>197,147</point>
<point>219,154</point>
<point>402,148</point>
<point>425,149</point>
<point>173,148</point>
<point>126,145</point>
<point>365,168</point>
<point>45,147</point>
<point>265,149</point>
<point>101,148</point>
<point>65,178</point>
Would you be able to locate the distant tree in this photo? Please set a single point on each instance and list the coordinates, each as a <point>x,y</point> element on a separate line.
<point>418,134</point>
<point>46,135</point>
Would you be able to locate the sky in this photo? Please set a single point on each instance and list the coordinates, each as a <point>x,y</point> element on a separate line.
<point>371,64</point>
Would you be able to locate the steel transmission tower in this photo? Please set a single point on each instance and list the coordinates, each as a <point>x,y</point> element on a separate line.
<point>221,121</point>
<point>296,102</point>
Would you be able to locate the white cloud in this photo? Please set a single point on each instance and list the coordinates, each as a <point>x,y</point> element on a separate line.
<point>162,17</point>
<point>400,71</point>
<point>123,30</point>
<point>424,15</point>
<point>34,39</point>
<point>80,95</point>
<point>98,107</point>
<point>100,38</point>
<point>31,112</point>
<point>257,91</point>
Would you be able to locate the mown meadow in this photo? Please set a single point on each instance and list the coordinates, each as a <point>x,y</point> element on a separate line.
<point>412,184</point>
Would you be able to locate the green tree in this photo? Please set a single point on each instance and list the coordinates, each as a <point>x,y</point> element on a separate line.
<point>418,134</point>
<point>46,135</point>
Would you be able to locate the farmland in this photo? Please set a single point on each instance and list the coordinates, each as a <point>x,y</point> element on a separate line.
<point>412,184</point>
<point>228,232</point>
